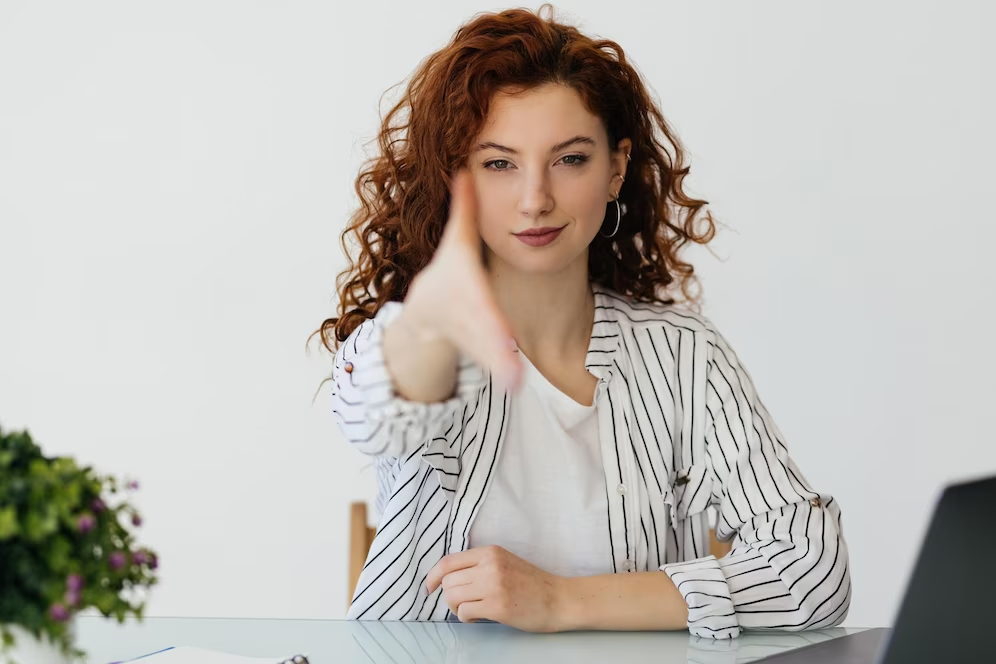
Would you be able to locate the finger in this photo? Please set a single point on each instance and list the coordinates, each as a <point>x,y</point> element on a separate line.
<point>461,577</point>
<point>462,222</point>
<point>448,564</point>
<point>454,597</point>
<point>472,611</point>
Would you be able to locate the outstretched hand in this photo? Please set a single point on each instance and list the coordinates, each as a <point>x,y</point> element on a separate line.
<point>451,297</point>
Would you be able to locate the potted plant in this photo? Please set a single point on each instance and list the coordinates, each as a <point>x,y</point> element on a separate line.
<point>66,544</point>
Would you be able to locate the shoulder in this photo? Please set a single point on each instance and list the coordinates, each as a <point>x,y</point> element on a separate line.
<point>367,333</point>
<point>663,327</point>
<point>635,315</point>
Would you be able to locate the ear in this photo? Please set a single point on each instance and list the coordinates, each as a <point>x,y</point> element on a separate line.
<point>620,163</point>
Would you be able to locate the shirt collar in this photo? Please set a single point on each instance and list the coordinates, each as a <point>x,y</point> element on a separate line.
<point>606,335</point>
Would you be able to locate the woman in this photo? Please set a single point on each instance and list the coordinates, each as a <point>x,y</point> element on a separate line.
<point>549,426</point>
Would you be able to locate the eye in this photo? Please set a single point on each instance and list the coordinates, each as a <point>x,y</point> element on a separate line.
<point>497,164</point>
<point>574,159</point>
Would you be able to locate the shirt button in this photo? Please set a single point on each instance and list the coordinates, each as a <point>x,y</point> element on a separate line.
<point>815,502</point>
<point>349,367</point>
<point>621,489</point>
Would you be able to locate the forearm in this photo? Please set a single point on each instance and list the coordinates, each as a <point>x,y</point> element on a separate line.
<point>423,367</point>
<point>636,601</point>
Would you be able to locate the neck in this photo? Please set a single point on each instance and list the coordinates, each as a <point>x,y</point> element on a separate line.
<point>550,314</point>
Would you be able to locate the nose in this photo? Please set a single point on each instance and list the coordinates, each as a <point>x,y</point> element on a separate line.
<point>536,197</point>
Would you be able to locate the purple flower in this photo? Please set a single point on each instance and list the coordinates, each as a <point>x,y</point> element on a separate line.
<point>117,560</point>
<point>58,612</point>
<point>74,582</point>
<point>133,485</point>
<point>98,505</point>
<point>136,520</point>
<point>85,523</point>
<point>141,558</point>
<point>153,562</point>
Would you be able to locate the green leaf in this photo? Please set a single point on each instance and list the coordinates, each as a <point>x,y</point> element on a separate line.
<point>37,526</point>
<point>105,603</point>
<point>8,523</point>
<point>58,555</point>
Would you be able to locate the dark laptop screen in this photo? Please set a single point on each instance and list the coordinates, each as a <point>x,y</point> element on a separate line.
<point>949,611</point>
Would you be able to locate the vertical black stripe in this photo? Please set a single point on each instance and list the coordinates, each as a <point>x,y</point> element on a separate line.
<point>645,365</point>
<point>612,546</point>
<point>636,456</point>
<point>746,442</point>
<point>494,457</point>
<point>615,439</point>
<point>457,507</point>
<point>691,425</point>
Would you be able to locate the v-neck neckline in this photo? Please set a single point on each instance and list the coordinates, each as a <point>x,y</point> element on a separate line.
<point>543,383</point>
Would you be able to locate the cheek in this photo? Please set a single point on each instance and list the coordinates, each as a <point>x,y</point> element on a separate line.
<point>584,200</point>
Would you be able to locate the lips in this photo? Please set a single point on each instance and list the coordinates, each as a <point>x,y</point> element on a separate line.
<point>537,237</point>
<point>539,231</point>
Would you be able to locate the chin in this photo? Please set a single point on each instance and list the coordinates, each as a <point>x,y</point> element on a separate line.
<point>546,261</point>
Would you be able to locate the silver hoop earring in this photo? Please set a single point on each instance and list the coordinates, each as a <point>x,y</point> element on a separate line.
<point>618,219</point>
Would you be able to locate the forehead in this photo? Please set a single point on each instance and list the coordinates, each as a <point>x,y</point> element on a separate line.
<point>540,115</point>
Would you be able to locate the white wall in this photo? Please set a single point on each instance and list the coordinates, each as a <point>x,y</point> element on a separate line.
<point>174,178</point>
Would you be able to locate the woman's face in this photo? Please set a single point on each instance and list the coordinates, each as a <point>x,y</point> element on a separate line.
<point>543,161</point>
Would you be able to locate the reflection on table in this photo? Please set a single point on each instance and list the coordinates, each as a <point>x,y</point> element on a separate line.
<point>344,642</point>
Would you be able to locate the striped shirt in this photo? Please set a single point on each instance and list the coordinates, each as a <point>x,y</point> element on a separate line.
<point>687,432</point>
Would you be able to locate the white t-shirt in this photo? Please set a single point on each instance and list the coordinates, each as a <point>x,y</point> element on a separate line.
<point>547,501</point>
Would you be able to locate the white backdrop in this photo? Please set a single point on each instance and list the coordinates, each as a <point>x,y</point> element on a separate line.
<point>174,178</point>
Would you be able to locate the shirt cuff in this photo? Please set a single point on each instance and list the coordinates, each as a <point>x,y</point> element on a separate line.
<point>701,582</point>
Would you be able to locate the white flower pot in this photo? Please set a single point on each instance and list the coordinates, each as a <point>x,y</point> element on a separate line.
<point>29,650</point>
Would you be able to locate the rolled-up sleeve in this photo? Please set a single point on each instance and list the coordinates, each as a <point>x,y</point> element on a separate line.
<point>370,413</point>
<point>788,568</point>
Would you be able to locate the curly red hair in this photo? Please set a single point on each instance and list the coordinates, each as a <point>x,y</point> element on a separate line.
<point>428,134</point>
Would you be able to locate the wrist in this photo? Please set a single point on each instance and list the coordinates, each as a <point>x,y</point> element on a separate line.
<point>417,331</point>
<point>569,609</point>
<point>422,366</point>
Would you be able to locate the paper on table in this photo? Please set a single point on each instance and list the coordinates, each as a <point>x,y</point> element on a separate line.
<point>188,655</point>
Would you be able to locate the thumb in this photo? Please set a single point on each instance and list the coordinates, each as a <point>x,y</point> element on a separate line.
<point>462,222</point>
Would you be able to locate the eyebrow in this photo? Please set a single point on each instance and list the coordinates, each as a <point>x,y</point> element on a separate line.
<point>585,140</point>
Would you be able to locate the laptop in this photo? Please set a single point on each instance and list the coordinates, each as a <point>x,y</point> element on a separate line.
<point>948,613</point>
